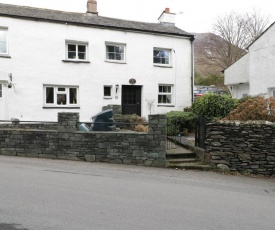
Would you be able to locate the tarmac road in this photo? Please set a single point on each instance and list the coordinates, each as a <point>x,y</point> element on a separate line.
<point>40,194</point>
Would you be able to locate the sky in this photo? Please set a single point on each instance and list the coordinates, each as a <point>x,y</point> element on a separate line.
<point>195,16</point>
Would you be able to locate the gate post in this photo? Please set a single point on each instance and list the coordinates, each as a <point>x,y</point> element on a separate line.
<point>67,122</point>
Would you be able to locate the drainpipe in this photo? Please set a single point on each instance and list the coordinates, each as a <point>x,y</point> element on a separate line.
<point>192,68</point>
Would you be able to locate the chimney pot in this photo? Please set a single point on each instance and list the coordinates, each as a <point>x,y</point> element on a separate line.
<point>167,10</point>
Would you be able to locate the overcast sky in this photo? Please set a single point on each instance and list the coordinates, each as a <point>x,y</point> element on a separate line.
<point>192,16</point>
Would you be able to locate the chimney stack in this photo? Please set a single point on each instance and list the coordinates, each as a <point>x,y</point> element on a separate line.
<point>92,7</point>
<point>167,18</point>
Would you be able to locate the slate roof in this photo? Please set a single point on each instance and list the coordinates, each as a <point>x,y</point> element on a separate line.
<point>84,19</point>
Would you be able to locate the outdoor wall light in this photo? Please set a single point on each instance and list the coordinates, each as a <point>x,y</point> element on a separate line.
<point>117,87</point>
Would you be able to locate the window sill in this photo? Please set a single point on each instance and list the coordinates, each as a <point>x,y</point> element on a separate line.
<point>116,62</point>
<point>108,98</point>
<point>165,105</point>
<point>77,61</point>
<point>163,66</point>
<point>60,107</point>
<point>4,56</point>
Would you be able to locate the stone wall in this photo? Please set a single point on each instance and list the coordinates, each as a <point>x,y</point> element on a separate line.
<point>28,125</point>
<point>147,149</point>
<point>243,147</point>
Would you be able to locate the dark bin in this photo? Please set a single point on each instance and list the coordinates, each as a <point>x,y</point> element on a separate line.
<point>103,121</point>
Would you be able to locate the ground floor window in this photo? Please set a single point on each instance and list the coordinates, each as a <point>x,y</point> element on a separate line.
<point>165,94</point>
<point>61,95</point>
<point>107,91</point>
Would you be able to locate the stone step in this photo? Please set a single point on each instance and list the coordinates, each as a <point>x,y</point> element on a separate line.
<point>176,155</point>
<point>182,160</point>
<point>190,166</point>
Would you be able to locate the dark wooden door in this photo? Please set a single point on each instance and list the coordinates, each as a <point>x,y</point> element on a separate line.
<point>131,99</point>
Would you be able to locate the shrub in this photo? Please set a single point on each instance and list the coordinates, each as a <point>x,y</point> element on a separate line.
<point>141,128</point>
<point>214,106</point>
<point>129,122</point>
<point>254,108</point>
<point>179,122</point>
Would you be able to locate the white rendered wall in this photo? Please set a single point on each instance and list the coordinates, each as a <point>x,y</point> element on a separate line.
<point>239,90</point>
<point>238,72</point>
<point>262,62</point>
<point>38,48</point>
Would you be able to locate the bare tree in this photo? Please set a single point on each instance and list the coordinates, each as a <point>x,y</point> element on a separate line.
<point>233,32</point>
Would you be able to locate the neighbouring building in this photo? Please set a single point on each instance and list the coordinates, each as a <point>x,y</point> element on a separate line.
<point>254,73</point>
<point>54,61</point>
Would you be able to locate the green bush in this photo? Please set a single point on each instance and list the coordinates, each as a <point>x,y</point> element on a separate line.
<point>214,106</point>
<point>179,122</point>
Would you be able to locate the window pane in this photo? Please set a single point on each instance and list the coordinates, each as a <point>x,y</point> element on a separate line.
<point>110,56</point>
<point>107,91</point>
<point>110,49</point>
<point>71,47</point>
<point>82,56</point>
<point>81,48</point>
<point>115,52</point>
<point>161,56</point>
<point>71,55</point>
<point>3,41</point>
<point>49,95</point>
<point>61,89</point>
<point>73,96</point>
<point>61,99</point>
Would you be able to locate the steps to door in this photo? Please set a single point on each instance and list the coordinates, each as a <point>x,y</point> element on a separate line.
<point>183,158</point>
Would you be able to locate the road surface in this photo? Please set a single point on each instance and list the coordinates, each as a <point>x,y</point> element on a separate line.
<point>41,194</point>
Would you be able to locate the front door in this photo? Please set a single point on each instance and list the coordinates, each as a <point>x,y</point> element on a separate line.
<point>131,99</point>
<point>2,102</point>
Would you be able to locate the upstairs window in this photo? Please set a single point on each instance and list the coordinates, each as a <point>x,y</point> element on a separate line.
<point>61,96</point>
<point>161,56</point>
<point>3,41</point>
<point>165,94</point>
<point>76,51</point>
<point>115,52</point>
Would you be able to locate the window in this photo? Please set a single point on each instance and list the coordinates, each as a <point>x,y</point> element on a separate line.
<point>165,94</point>
<point>76,51</point>
<point>161,56</point>
<point>1,91</point>
<point>107,91</point>
<point>115,52</point>
<point>61,96</point>
<point>3,41</point>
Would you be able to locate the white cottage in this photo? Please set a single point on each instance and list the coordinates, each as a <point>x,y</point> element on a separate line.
<point>53,61</point>
<point>254,73</point>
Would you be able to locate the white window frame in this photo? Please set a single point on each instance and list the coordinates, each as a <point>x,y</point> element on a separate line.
<point>166,94</point>
<point>169,64</point>
<point>111,92</point>
<point>77,44</point>
<point>115,44</point>
<point>7,48</point>
<point>57,92</point>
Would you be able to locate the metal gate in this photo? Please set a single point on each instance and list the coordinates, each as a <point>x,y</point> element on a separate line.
<point>200,132</point>
<point>175,130</point>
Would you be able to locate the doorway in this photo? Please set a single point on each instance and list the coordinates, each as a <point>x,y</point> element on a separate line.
<point>131,99</point>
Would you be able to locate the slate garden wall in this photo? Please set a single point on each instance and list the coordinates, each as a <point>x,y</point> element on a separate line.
<point>65,142</point>
<point>243,147</point>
